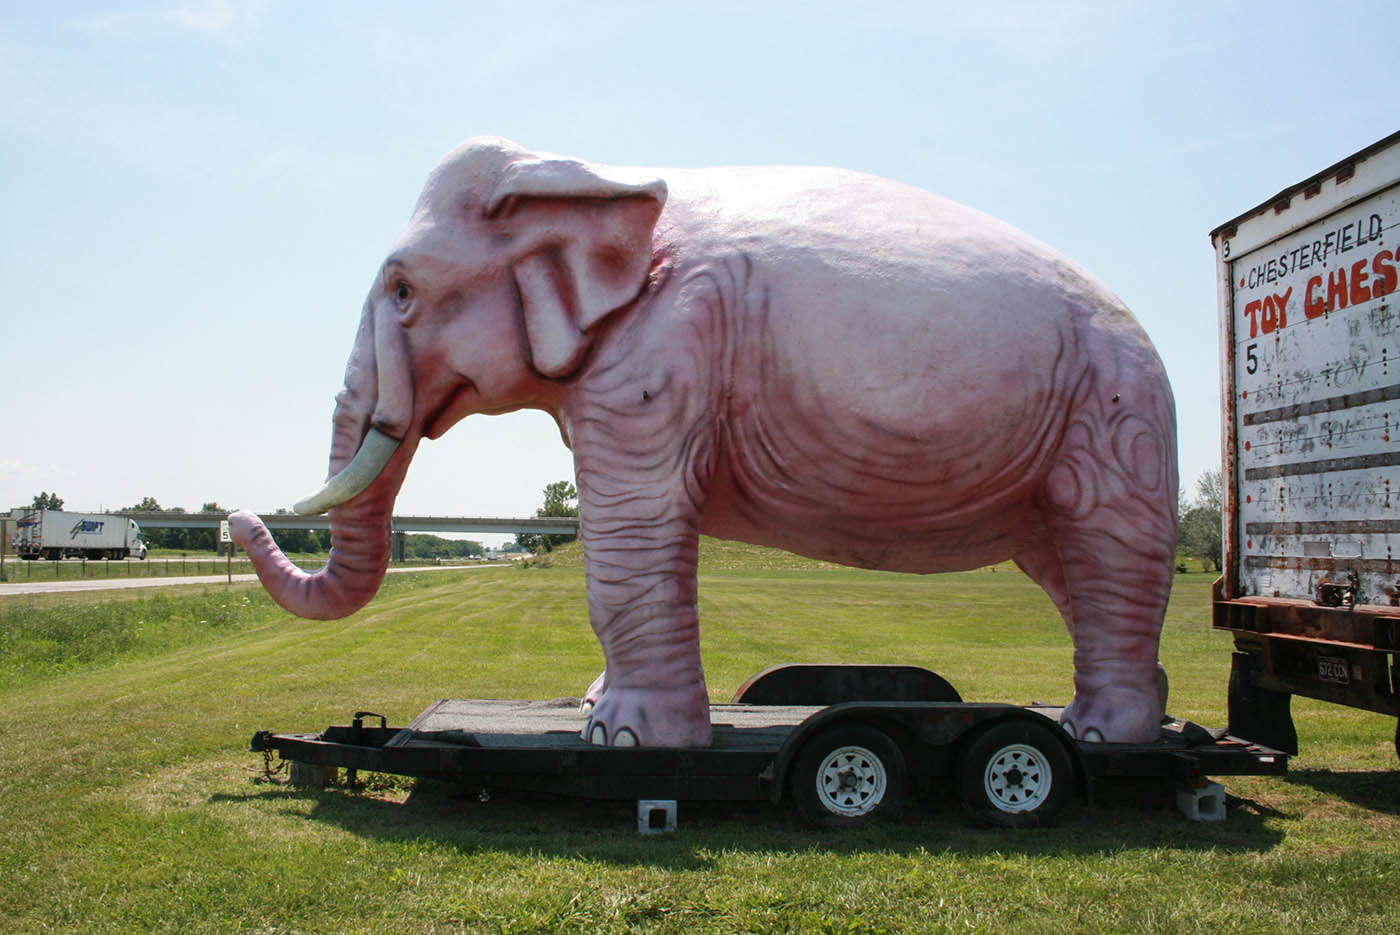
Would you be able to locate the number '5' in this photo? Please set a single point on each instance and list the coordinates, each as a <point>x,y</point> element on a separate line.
<point>1253,364</point>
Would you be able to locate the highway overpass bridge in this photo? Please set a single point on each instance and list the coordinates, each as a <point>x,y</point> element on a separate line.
<point>401,525</point>
<point>565,525</point>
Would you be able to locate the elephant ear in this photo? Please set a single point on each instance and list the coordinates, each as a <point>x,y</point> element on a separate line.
<point>582,238</point>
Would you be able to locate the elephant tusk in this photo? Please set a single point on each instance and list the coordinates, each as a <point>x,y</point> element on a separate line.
<point>375,452</point>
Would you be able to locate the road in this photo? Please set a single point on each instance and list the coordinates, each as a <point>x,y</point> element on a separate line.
<point>112,584</point>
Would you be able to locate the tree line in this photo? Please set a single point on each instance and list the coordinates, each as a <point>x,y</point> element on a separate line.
<point>1201,535</point>
<point>560,499</point>
<point>187,540</point>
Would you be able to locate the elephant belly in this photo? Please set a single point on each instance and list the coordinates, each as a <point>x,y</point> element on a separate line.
<point>832,485</point>
<point>895,469</point>
<point>895,539</point>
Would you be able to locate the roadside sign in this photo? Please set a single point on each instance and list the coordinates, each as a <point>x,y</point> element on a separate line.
<point>224,534</point>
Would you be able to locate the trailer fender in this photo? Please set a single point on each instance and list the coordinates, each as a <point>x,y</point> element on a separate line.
<point>802,683</point>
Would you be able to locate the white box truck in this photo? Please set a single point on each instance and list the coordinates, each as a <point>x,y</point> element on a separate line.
<point>53,534</point>
<point>1309,302</point>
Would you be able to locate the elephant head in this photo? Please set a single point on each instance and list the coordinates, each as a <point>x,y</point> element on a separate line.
<point>488,302</point>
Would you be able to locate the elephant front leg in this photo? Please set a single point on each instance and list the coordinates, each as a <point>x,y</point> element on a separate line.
<point>642,605</point>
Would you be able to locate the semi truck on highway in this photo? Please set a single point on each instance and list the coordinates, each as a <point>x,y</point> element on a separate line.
<point>1309,307</point>
<point>55,535</point>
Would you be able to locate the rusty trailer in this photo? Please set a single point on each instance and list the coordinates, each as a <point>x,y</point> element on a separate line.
<point>1307,284</point>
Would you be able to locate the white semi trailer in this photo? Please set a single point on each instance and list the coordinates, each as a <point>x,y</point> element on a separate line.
<point>1309,301</point>
<point>53,534</point>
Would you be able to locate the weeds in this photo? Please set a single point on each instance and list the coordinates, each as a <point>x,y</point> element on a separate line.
<point>41,639</point>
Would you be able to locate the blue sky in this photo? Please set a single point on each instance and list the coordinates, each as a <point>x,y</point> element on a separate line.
<point>196,194</point>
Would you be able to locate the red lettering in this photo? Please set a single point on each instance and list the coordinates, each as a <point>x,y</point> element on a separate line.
<point>1281,303</point>
<point>1336,290</point>
<point>1269,314</point>
<point>1385,274</point>
<point>1268,321</point>
<point>1313,308</point>
<point>1252,310</point>
<point>1359,291</point>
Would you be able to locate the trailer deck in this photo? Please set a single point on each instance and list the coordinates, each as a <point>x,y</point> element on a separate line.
<point>766,751</point>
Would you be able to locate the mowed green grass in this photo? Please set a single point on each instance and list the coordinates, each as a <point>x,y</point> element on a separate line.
<point>131,804</point>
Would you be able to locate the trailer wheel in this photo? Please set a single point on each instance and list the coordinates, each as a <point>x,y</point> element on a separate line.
<point>847,776</point>
<point>1015,775</point>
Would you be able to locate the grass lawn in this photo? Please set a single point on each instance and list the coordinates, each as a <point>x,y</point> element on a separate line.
<point>131,804</point>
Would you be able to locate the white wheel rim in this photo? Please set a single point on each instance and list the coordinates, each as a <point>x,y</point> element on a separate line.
<point>1017,778</point>
<point>851,781</point>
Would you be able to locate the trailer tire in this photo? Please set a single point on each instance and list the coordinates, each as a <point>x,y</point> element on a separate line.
<point>1014,775</point>
<point>847,776</point>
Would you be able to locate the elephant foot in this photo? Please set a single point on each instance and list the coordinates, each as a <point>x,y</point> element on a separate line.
<point>650,717</point>
<point>1116,714</point>
<point>594,693</point>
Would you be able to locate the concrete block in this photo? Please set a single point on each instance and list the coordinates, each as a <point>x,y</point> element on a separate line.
<point>656,816</point>
<point>313,775</point>
<point>1206,803</point>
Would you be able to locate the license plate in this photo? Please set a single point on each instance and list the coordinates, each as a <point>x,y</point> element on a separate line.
<point>1332,669</point>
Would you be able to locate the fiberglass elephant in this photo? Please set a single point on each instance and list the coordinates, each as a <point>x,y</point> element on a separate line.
<point>813,359</point>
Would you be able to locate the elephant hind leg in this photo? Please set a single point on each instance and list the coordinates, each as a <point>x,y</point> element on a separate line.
<point>1041,563</point>
<point>1110,507</point>
<point>1097,692</point>
<point>1118,606</point>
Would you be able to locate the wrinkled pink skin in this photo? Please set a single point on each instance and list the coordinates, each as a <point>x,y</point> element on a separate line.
<point>811,359</point>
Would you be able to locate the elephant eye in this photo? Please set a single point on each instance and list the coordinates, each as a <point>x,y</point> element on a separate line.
<point>403,292</point>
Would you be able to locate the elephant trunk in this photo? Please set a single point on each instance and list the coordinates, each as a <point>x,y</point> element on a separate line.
<point>374,440</point>
<point>360,541</point>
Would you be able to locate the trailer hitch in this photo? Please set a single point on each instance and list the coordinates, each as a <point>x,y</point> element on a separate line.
<point>262,743</point>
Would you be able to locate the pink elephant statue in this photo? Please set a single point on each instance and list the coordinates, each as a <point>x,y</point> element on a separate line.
<point>814,359</point>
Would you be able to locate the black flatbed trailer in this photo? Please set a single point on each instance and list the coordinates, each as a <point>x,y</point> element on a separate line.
<point>846,743</point>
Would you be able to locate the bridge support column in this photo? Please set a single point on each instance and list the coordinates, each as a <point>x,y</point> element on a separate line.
<point>400,546</point>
